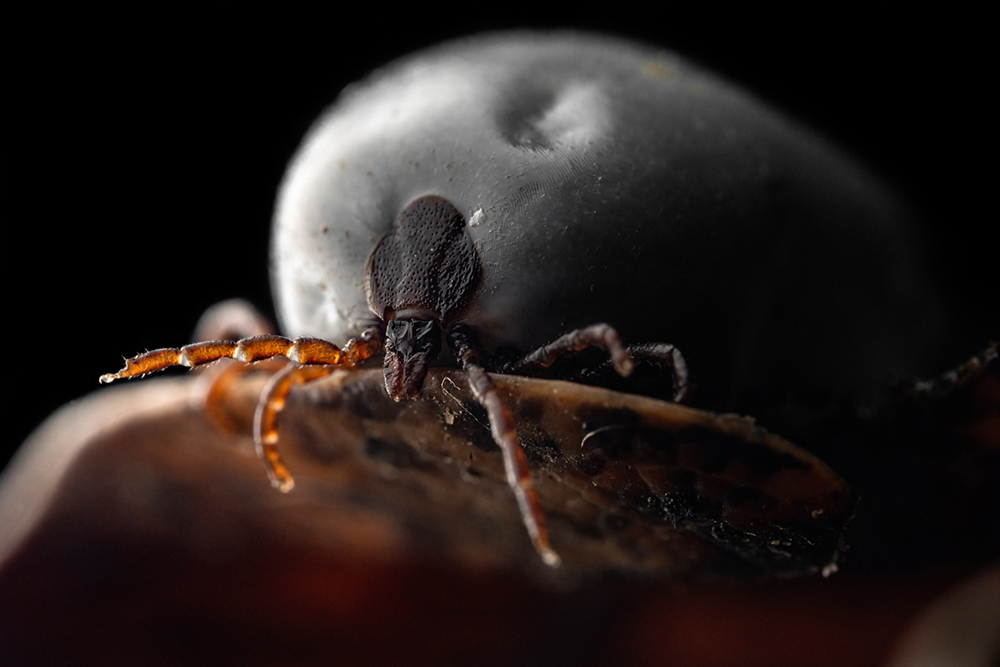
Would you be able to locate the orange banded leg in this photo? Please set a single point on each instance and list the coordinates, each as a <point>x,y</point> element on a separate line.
<point>312,358</point>
<point>265,421</point>
<point>233,319</point>
<point>597,335</point>
<point>505,435</point>
<point>215,387</point>
<point>300,350</point>
<point>275,394</point>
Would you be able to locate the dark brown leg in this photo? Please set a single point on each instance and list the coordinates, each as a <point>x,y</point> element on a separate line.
<point>604,336</point>
<point>598,335</point>
<point>664,354</point>
<point>466,349</point>
<point>946,383</point>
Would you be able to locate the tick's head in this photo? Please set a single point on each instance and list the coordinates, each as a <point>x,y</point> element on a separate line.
<point>423,273</point>
<point>410,347</point>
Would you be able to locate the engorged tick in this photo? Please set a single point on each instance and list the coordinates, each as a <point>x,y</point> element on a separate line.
<point>418,280</point>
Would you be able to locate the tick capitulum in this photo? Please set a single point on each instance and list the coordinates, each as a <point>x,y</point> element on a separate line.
<point>411,344</point>
<point>419,279</point>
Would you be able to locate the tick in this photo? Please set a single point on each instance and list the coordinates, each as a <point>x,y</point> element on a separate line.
<point>419,279</point>
<point>496,192</point>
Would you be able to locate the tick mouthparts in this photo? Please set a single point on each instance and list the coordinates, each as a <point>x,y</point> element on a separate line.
<point>404,377</point>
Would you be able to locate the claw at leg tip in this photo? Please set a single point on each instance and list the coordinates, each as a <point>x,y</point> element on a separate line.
<point>549,557</point>
<point>625,366</point>
<point>283,485</point>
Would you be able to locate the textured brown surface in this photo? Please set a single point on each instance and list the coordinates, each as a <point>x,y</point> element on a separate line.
<point>136,531</point>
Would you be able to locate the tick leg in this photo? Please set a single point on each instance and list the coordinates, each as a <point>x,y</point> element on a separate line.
<point>664,354</point>
<point>231,319</point>
<point>272,401</point>
<point>946,383</point>
<point>599,335</point>
<point>214,387</point>
<point>265,421</point>
<point>623,359</point>
<point>312,358</point>
<point>300,350</point>
<point>515,464</point>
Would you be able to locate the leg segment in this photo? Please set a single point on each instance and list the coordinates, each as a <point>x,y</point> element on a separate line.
<point>664,354</point>
<point>265,421</point>
<point>599,335</point>
<point>300,350</point>
<point>233,319</point>
<point>312,358</point>
<point>946,383</point>
<point>215,385</point>
<point>466,349</point>
<point>623,360</point>
<point>272,401</point>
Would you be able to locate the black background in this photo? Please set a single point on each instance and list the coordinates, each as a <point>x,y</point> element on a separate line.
<point>144,153</point>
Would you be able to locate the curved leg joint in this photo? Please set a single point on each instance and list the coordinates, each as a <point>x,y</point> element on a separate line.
<point>597,335</point>
<point>265,422</point>
<point>665,355</point>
